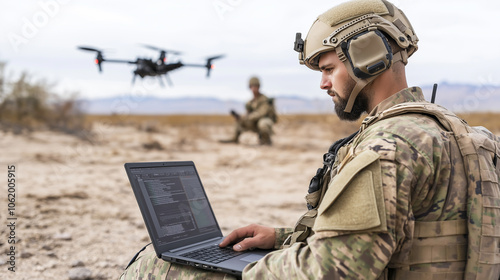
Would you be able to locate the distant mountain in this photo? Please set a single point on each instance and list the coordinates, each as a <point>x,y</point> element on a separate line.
<point>456,97</point>
<point>157,105</point>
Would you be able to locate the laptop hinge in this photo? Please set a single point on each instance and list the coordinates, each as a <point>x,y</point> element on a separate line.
<point>194,245</point>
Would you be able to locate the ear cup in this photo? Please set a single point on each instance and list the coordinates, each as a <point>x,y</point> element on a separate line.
<point>369,54</point>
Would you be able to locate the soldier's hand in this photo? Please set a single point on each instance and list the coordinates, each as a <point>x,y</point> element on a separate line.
<point>249,237</point>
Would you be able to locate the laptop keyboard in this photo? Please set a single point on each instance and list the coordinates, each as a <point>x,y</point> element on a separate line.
<point>213,254</point>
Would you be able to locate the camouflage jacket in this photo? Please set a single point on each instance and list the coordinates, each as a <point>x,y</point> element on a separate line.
<point>417,163</point>
<point>260,107</point>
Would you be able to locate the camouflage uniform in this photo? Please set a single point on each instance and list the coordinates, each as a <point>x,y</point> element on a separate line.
<point>395,176</point>
<point>420,181</point>
<point>148,266</point>
<point>260,118</point>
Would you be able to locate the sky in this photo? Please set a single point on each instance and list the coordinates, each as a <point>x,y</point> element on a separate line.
<point>457,44</point>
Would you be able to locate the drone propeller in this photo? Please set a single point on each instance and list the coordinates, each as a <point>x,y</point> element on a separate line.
<point>99,58</point>
<point>89,49</point>
<point>209,64</point>
<point>163,52</point>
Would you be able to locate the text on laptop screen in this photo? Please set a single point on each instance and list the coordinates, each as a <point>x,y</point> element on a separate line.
<point>176,198</point>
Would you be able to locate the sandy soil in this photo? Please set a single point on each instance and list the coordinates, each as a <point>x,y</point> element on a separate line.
<point>75,208</point>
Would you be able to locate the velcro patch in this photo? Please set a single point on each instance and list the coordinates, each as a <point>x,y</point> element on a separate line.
<point>354,199</point>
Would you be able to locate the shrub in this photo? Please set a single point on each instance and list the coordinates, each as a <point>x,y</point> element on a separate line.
<point>27,105</point>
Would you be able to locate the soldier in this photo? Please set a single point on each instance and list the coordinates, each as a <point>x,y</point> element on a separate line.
<point>259,118</point>
<point>413,194</point>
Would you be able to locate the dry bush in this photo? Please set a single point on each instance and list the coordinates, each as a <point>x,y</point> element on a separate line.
<point>27,105</point>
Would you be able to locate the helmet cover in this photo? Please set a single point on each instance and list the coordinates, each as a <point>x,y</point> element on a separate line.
<point>339,27</point>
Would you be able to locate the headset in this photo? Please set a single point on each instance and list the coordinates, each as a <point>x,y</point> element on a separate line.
<point>369,53</point>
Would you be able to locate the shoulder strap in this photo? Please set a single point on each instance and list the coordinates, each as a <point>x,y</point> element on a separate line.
<point>448,120</point>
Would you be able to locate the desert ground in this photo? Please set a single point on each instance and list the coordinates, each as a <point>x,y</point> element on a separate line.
<point>76,213</point>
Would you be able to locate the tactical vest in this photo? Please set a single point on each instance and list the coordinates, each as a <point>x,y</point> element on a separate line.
<point>480,150</point>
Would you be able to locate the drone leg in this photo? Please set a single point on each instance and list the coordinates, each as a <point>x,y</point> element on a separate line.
<point>167,77</point>
<point>161,81</point>
<point>133,78</point>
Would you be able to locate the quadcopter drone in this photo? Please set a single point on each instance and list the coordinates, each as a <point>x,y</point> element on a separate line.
<point>148,67</point>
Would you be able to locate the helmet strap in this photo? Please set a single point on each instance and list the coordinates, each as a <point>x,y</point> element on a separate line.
<point>360,84</point>
<point>400,56</point>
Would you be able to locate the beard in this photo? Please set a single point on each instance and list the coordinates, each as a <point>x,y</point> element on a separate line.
<point>359,107</point>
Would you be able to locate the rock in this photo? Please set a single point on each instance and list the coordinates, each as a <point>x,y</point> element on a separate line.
<point>152,145</point>
<point>26,255</point>
<point>77,263</point>
<point>62,236</point>
<point>79,273</point>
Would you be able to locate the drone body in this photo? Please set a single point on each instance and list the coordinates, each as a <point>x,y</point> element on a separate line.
<point>148,67</point>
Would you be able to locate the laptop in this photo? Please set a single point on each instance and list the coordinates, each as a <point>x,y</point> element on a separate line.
<point>179,219</point>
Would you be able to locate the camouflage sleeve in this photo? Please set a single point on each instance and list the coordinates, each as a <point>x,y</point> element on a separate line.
<point>148,266</point>
<point>362,254</point>
<point>281,234</point>
<point>353,256</point>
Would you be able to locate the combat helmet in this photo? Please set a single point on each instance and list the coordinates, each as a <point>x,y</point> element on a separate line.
<point>356,31</point>
<point>254,81</point>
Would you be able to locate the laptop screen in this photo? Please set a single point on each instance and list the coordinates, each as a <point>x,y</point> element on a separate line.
<point>173,203</point>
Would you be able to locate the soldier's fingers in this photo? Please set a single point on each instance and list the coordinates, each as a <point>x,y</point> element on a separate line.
<point>262,237</point>
<point>247,244</point>
<point>237,235</point>
<point>251,243</point>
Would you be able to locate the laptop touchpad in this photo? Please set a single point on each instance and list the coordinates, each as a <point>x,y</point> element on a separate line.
<point>251,258</point>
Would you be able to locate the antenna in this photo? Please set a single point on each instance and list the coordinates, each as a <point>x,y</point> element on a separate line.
<point>434,89</point>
